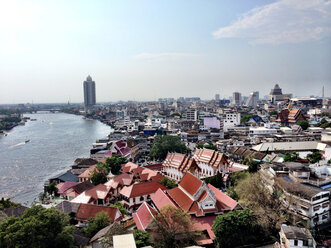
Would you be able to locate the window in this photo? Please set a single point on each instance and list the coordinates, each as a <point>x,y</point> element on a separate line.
<point>305,242</point>
<point>317,207</point>
<point>324,216</point>
<point>141,198</point>
<point>325,205</point>
<point>295,242</point>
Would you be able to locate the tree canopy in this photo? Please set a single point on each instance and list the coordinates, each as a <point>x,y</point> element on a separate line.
<point>164,144</point>
<point>142,238</point>
<point>252,194</point>
<point>170,184</point>
<point>99,174</point>
<point>7,203</point>
<point>303,124</point>
<point>172,228</point>
<point>101,220</point>
<point>291,157</point>
<point>237,228</point>
<point>216,181</point>
<point>314,157</point>
<point>37,227</point>
<point>115,162</point>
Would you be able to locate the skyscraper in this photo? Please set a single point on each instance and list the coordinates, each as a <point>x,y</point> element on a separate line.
<point>217,97</point>
<point>236,98</point>
<point>252,99</point>
<point>89,92</point>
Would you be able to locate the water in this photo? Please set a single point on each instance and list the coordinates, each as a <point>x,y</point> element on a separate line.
<point>56,140</point>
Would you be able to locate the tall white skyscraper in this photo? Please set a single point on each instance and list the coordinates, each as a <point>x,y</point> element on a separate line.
<point>253,99</point>
<point>89,92</point>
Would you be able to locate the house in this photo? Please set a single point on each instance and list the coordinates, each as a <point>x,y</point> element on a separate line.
<point>74,191</point>
<point>64,177</point>
<point>133,196</point>
<point>292,237</point>
<point>85,176</point>
<point>62,187</point>
<point>118,182</point>
<point>87,211</point>
<point>98,195</point>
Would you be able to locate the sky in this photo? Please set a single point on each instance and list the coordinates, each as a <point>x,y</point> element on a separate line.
<point>147,49</point>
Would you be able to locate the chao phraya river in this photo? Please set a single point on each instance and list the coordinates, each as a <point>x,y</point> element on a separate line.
<point>56,140</point>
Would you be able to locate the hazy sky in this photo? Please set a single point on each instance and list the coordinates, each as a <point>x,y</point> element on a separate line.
<point>146,49</point>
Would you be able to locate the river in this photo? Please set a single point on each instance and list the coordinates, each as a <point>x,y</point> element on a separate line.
<point>56,140</point>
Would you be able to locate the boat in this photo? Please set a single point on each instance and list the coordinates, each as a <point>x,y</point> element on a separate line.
<point>33,119</point>
<point>27,141</point>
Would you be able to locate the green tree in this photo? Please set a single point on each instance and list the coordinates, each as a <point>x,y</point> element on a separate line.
<point>253,165</point>
<point>245,118</point>
<point>37,227</point>
<point>142,238</point>
<point>253,194</point>
<point>216,181</point>
<point>101,220</point>
<point>115,163</point>
<point>51,189</point>
<point>314,157</point>
<point>99,174</point>
<point>170,184</point>
<point>303,124</point>
<point>291,157</point>
<point>172,228</point>
<point>237,228</point>
<point>120,207</point>
<point>274,112</point>
<point>7,203</point>
<point>164,144</point>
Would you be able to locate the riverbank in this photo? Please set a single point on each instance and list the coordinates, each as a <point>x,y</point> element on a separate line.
<point>55,141</point>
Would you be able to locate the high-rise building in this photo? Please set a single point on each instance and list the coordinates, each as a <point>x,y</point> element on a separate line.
<point>217,97</point>
<point>89,92</point>
<point>236,98</point>
<point>252,99</point>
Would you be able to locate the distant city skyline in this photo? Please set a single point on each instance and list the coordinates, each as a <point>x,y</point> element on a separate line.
<point>143,50</point>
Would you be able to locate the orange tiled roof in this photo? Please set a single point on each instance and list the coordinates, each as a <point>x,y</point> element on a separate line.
<point>183,201</point>
<point>190,183</point>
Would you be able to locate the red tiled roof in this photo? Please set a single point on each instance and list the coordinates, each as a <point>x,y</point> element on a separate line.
<point>124,179</point>
<point>86,211</point>
<point>183,201</point>
<point>141,189</point>
<point>66,186</point>
<point>204,223</point>
<point>190,183</point>
<point>181,162</point>
<point>161,199</point>
<point>98,192</point>
<point>144,216</point>
<point>225,201</point>
<point>154,167</point>
<point>86,173</point>
<point>129,166</point>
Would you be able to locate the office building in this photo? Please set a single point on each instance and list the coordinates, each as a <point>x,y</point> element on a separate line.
<point>89,93</point>
<point>236,98</point>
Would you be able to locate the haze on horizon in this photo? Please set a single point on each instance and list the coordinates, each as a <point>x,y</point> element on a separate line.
<point>144,49</point>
